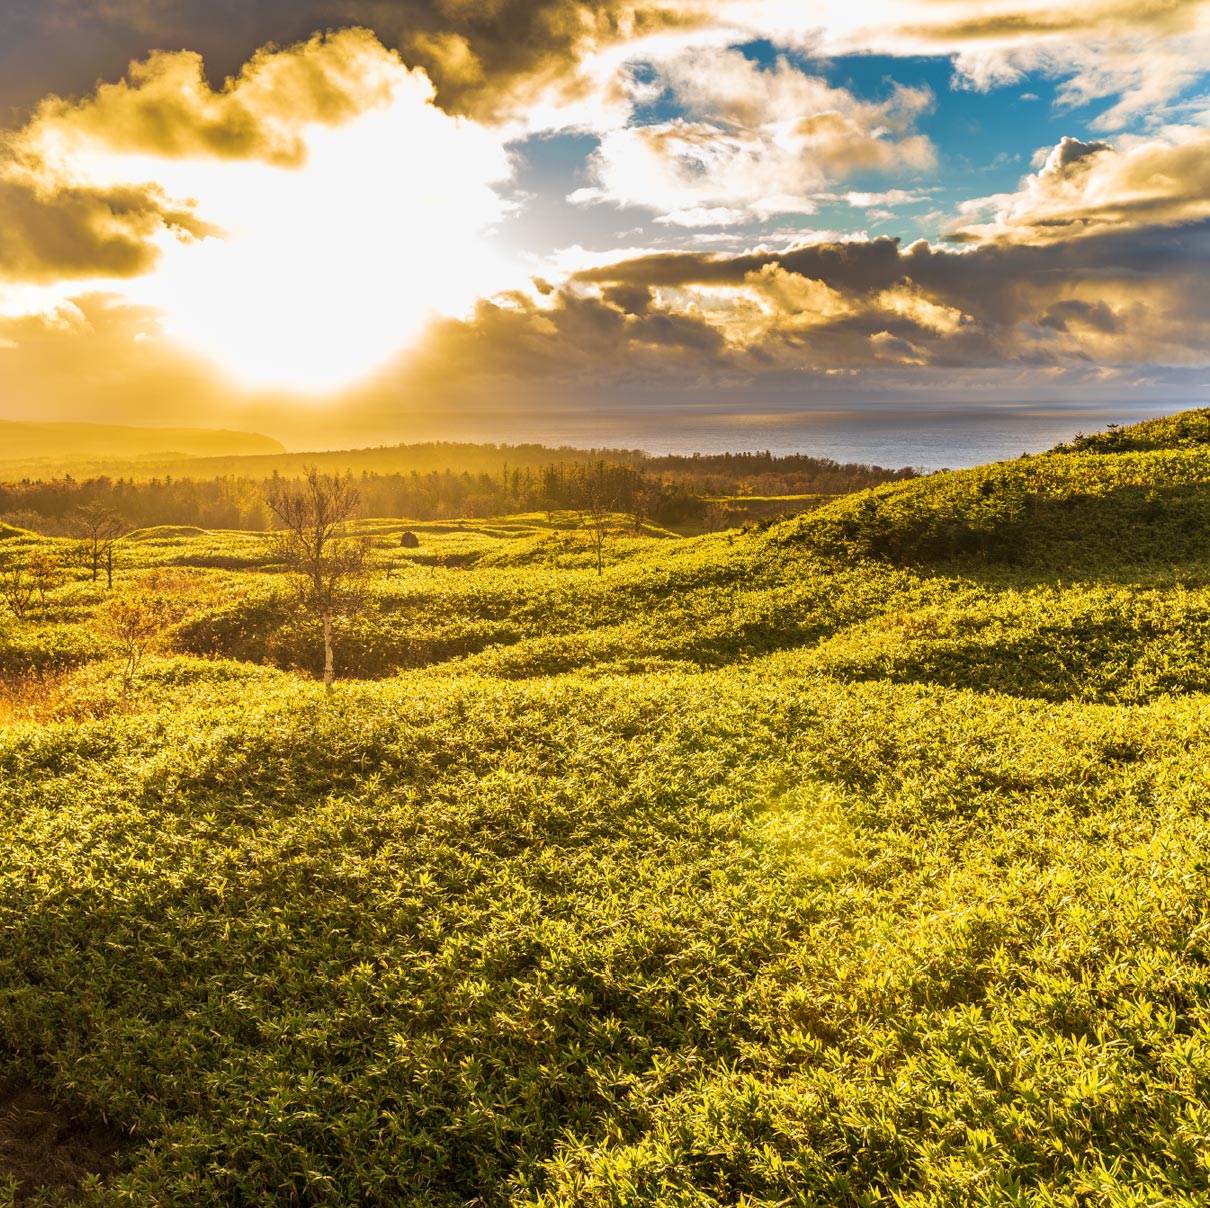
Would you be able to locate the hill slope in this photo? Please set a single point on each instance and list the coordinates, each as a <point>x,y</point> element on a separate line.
<point>1062,510</point>
<point>858,860</point>
<point>1185,430</point>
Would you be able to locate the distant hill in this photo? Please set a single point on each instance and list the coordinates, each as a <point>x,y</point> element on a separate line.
<point>421,458</point>
<point>141,454</point>
<point>41,449</point>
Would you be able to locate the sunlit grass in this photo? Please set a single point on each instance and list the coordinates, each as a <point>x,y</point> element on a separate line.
<point>857,859</point>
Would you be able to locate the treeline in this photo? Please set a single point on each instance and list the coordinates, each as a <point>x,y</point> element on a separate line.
<point>770,473</point>
<point>240,503</point>
<point>668,490</point>
<point>49,507</point>
<point>793,473</point>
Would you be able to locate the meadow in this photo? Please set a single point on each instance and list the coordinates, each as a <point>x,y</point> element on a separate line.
<point>855,858</point>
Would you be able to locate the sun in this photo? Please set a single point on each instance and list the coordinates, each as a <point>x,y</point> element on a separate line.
<point>324,272</point>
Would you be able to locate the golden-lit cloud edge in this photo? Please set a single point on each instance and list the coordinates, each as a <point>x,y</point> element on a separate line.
<point>56,223</point>
<point>1084,189</point>
<point>298,222</point>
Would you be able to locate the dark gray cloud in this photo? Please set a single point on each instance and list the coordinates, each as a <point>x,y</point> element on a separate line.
<point>1062,316</point>
<point>478,54</point>
<point>82,232</point>
<point>66,47</point>
<point>1126,299</point>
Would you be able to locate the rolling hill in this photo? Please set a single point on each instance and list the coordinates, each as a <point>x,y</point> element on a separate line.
<point>858,858</point>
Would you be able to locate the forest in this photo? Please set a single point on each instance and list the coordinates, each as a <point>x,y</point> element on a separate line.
<point>450,481</point>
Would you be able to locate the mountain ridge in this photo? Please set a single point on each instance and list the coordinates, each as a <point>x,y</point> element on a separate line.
<point>42,446</point>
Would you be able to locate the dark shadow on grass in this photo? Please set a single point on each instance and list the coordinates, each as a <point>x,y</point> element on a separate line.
<point>49,1152</point>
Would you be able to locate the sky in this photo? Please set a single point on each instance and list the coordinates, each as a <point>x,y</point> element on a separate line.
<point>355,221</point>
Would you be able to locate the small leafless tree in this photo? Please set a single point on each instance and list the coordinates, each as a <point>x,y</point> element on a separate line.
<point>98,529</point>
<point>328,565</point>
<point>46,571</point>
<point>596,514</point>
<point>17,587</point>
<point>134,622</point>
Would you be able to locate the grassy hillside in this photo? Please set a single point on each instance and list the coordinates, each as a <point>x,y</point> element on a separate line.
<point>41,449</point>
<point>854,859</point>
<point>1186,430</point>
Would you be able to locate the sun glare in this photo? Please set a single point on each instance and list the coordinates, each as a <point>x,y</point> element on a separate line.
<point>324,272</point>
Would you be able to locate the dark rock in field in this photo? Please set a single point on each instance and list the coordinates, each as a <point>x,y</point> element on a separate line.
<point>409,541</point>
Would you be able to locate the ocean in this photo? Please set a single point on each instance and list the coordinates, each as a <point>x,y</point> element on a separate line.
<point>948,437</point>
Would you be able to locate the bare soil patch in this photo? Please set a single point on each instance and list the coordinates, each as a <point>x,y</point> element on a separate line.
<point>48,1151</point>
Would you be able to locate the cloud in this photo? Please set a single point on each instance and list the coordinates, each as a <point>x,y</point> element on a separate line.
<point>514,59</point>
<point>492,60</point>
<point>1126,302</point>
<point>1084,188</point>
<point>1071,312</point>
<point>67,233</point>
<point>302,220</point>
<point>165,107</point>
<point>64,216</point>
<point>1144,53</point>
<point>518,59</point>
<point>752,141</point>
<point>889,198</point>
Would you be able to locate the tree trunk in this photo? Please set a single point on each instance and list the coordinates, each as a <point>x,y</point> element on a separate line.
<point>109,569</point>
<point>329,658</point>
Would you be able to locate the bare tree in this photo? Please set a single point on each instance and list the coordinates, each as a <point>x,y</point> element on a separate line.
<point>642,503</point>
<point>98,529</point>
<point>134,622</point>
<point>17,587</point>
<point>46,571</point>
<point>596,513</point>
<point>328,564</point>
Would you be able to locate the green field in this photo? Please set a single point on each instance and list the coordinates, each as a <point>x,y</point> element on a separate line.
<point>855,858</point>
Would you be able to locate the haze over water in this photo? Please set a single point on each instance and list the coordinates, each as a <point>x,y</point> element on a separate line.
<point>940,438</point>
